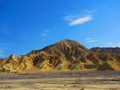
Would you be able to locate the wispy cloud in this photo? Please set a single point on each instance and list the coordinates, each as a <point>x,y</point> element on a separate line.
<point>81,20</point>
<point>70,18</point>
<point>110,44</point>
<point>45,33</point>
<point>118,44</point>
<point>90,40</point>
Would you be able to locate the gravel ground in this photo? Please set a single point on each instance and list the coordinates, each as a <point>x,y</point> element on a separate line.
<point>61,81</point>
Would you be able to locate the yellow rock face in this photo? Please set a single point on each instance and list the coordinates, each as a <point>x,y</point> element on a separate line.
<point>18,64</point>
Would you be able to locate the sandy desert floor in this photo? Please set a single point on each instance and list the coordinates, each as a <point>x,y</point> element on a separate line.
<point>61,81</point>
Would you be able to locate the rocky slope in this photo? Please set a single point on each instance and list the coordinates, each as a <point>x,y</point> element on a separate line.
<point>65,55</point>
<point>15,63</point>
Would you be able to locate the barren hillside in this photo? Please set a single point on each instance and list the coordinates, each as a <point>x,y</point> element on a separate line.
<point>66,55</point>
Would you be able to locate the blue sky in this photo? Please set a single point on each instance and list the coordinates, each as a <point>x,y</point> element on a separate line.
<point>33,24</point>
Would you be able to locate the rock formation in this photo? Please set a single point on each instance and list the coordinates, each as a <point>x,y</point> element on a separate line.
<point>66,55</point>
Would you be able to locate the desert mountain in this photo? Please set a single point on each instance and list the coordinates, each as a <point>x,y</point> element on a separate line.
<point>65,55</point>
<point>68,49</point>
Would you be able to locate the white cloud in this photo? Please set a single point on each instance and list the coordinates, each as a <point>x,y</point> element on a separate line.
<point>70,18</point>
<point>44,34</point>
<point>90,40</point>
<point>87,39</point>
<point>109,44</point>
<point>81,20</point>
<point>118,44</point>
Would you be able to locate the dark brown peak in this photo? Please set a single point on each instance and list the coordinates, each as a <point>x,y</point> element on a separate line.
<point>60,42</point>
<point>66,43</point>
<point>65,48</point>
<point>67,40</point>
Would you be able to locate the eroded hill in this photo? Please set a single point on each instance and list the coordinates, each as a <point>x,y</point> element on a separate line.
<point>66,55</point>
